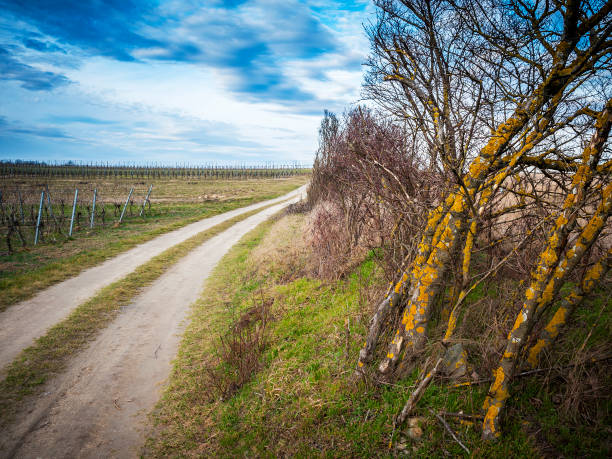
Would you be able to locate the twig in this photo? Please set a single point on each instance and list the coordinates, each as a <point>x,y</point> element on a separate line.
<point>380,381</point>
<point>155,353</point>
<point>418,392</point>
<point>461,415</point>
<point>450,431</point>
<point>408,198</point>
<point>392,434</point>
<point>493,270</point>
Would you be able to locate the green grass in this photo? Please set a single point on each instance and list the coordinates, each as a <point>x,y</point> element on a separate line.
<point>27,271</point>
<point>50,353</point>
<point>306,400</point>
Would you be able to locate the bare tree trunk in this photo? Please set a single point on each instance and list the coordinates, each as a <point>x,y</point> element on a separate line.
<point>566,309</point>
<point>548,277</point>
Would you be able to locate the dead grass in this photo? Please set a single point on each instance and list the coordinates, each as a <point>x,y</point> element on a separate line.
<point>238,352</point>
<point>283,251</point>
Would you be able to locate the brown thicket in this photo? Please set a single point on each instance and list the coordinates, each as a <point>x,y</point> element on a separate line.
<point>488,158</point>
<point>368,190</point>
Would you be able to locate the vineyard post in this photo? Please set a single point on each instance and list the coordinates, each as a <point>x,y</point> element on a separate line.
<point>93,208</point>
<point>125,205</point>
<point>42,197</point>
<point>50,207</point>
<point>144,203</point>
<point>76,195</point>
<point>21,206</point>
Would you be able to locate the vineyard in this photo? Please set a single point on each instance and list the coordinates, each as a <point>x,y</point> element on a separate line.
<point>42,202</point>
<point>34,213</point>
<point>148,171</point>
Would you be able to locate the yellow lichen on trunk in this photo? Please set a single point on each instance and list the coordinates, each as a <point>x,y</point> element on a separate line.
<point>397,290</point>
<point>566,308</point>
<point>429,267</point>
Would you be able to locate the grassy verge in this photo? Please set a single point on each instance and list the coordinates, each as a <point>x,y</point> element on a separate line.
<point>49,354</point>
<point>305,401</point>
<point>26,272</point>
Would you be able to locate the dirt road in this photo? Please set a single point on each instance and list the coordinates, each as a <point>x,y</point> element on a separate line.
<point>98,407</point>
<point>22,323</point>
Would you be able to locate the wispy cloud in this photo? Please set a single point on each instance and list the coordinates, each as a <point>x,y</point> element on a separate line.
<point>52,132</point>
<point>43,46</point>
<point>37,131</point>
<point>106,28</point>
<point>30,77</point>
<point>78,119</point>
<point>251,41</point>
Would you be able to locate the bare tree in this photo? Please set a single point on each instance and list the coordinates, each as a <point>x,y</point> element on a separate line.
<point>495,96</point>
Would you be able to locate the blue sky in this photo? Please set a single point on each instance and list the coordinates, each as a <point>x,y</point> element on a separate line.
<point>177,80</point>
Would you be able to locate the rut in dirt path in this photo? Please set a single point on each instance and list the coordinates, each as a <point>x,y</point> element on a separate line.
<point>98,406</point>
<point>23,322</point>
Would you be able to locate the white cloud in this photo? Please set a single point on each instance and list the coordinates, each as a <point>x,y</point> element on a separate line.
<point>160,107</point>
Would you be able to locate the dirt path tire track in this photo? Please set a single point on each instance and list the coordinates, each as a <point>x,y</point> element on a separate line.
<point>26,321</point>
<point>98,406</point>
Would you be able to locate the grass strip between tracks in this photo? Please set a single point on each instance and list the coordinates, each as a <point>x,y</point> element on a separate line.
<point>50,353</point>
